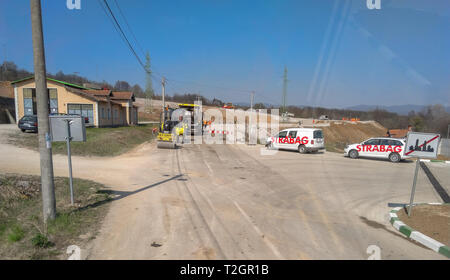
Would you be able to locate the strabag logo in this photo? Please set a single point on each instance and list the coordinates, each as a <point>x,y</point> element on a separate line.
<point>289,140</point>
<point>379,148</point>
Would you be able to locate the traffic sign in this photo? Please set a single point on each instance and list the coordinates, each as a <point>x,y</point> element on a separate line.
<point>422,145</point>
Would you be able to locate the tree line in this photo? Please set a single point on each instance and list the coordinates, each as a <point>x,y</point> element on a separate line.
<point>434,118</point>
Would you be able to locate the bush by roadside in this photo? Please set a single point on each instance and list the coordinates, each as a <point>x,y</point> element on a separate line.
<point>22,232</point>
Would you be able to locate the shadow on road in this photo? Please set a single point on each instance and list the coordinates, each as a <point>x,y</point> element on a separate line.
<point>122,194</point>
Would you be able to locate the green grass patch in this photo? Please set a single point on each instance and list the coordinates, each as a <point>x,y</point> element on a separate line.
<point>23,234</point>
<point>105,141</point>
<point>16,234</point>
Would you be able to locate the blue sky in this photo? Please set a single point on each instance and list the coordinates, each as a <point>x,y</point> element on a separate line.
<point>338,53</point>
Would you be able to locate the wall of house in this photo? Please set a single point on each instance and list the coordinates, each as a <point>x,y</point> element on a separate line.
<point>64,97</point>
<point>117,114</point>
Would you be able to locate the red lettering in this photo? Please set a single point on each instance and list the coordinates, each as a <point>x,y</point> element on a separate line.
<point>305,140</point>
<point>358,148</point>
<point>389,149</point>
<point>397,149</point>
<point>382,148</point>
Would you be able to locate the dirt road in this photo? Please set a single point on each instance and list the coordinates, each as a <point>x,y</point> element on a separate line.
<point>231,202</point>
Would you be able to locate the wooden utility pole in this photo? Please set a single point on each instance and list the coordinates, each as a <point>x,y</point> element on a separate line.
<point>163,83</point>
<point>45,148</point>
<point>252,95</point>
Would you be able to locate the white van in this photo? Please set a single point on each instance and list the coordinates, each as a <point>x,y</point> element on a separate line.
<point>300,139</point>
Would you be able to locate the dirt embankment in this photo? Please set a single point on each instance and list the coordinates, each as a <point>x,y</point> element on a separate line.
<point>337,136</point>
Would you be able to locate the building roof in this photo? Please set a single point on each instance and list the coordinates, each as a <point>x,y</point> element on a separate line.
<point>122,95</point>
<point>92,94</point>
<point>98,92</point>
<point>50,79</point>
<point>85,94</point>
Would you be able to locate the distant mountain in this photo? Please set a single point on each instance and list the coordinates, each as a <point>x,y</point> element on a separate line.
<point>399,109</point>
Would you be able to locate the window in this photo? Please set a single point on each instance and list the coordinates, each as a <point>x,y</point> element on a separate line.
<point>103,113</point>
<point>385,142</point>
<point>29,101</point>
<point>53,99</point>
<point>109,114</point>
<point>317,134</point>
<point>85,110</point>
<point>282,134</point>
<point>292,134</point>
<point>372,142</point>
<point>395,143</point>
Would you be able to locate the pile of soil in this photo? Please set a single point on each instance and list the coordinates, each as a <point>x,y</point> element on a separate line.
<point>431,220</point>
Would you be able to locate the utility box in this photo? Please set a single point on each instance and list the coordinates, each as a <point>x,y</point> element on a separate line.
<point>59,130</point>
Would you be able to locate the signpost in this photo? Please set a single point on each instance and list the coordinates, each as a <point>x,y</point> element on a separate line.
<point>68,128</point>
<point>420,145</point>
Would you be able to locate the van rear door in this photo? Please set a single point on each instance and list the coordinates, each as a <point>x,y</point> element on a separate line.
<point>318,138</point>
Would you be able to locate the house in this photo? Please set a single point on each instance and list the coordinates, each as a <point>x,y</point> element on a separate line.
<point>101,107</point>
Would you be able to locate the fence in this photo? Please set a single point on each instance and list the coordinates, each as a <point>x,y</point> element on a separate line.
<point>444,147</point>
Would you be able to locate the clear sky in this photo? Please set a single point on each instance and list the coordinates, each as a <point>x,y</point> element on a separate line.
<point>338,52</point>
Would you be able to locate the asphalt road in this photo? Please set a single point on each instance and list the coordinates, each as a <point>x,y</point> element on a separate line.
<point>231,202</point>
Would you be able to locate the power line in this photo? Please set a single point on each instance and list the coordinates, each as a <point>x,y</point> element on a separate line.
<point>123,35</point>
<point>109,13</point>
<point>129,28</point>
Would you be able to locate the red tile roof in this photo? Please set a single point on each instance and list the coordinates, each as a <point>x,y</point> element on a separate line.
<point>122,95</point>
<point>98,92</point>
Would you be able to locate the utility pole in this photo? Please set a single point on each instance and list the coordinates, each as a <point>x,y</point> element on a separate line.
<point>45,148</point>
<point>285,81</point>
<point>163,83</point>
<point>252,95</point>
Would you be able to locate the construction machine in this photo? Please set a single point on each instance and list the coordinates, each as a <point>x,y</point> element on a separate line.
<point>169,132</point>
<point>175,124</point>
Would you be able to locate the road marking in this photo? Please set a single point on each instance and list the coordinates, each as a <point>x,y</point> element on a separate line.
<point>268,243</point>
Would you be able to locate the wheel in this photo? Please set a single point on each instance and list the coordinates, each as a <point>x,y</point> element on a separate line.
<point>353,154</point>
<point>302,149</point>
<point>394,157</point>
<point>270,146</point>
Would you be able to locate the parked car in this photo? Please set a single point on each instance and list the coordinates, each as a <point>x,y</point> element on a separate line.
<point>28,123</point>
<point>302,139</point>
<point>388,148</point>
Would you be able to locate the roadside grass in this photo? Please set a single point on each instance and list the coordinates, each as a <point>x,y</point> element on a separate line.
<point>23,234</point>
<point>105,141</point>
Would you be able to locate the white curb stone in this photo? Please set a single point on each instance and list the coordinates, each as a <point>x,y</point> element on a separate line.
<point>425,240</point>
